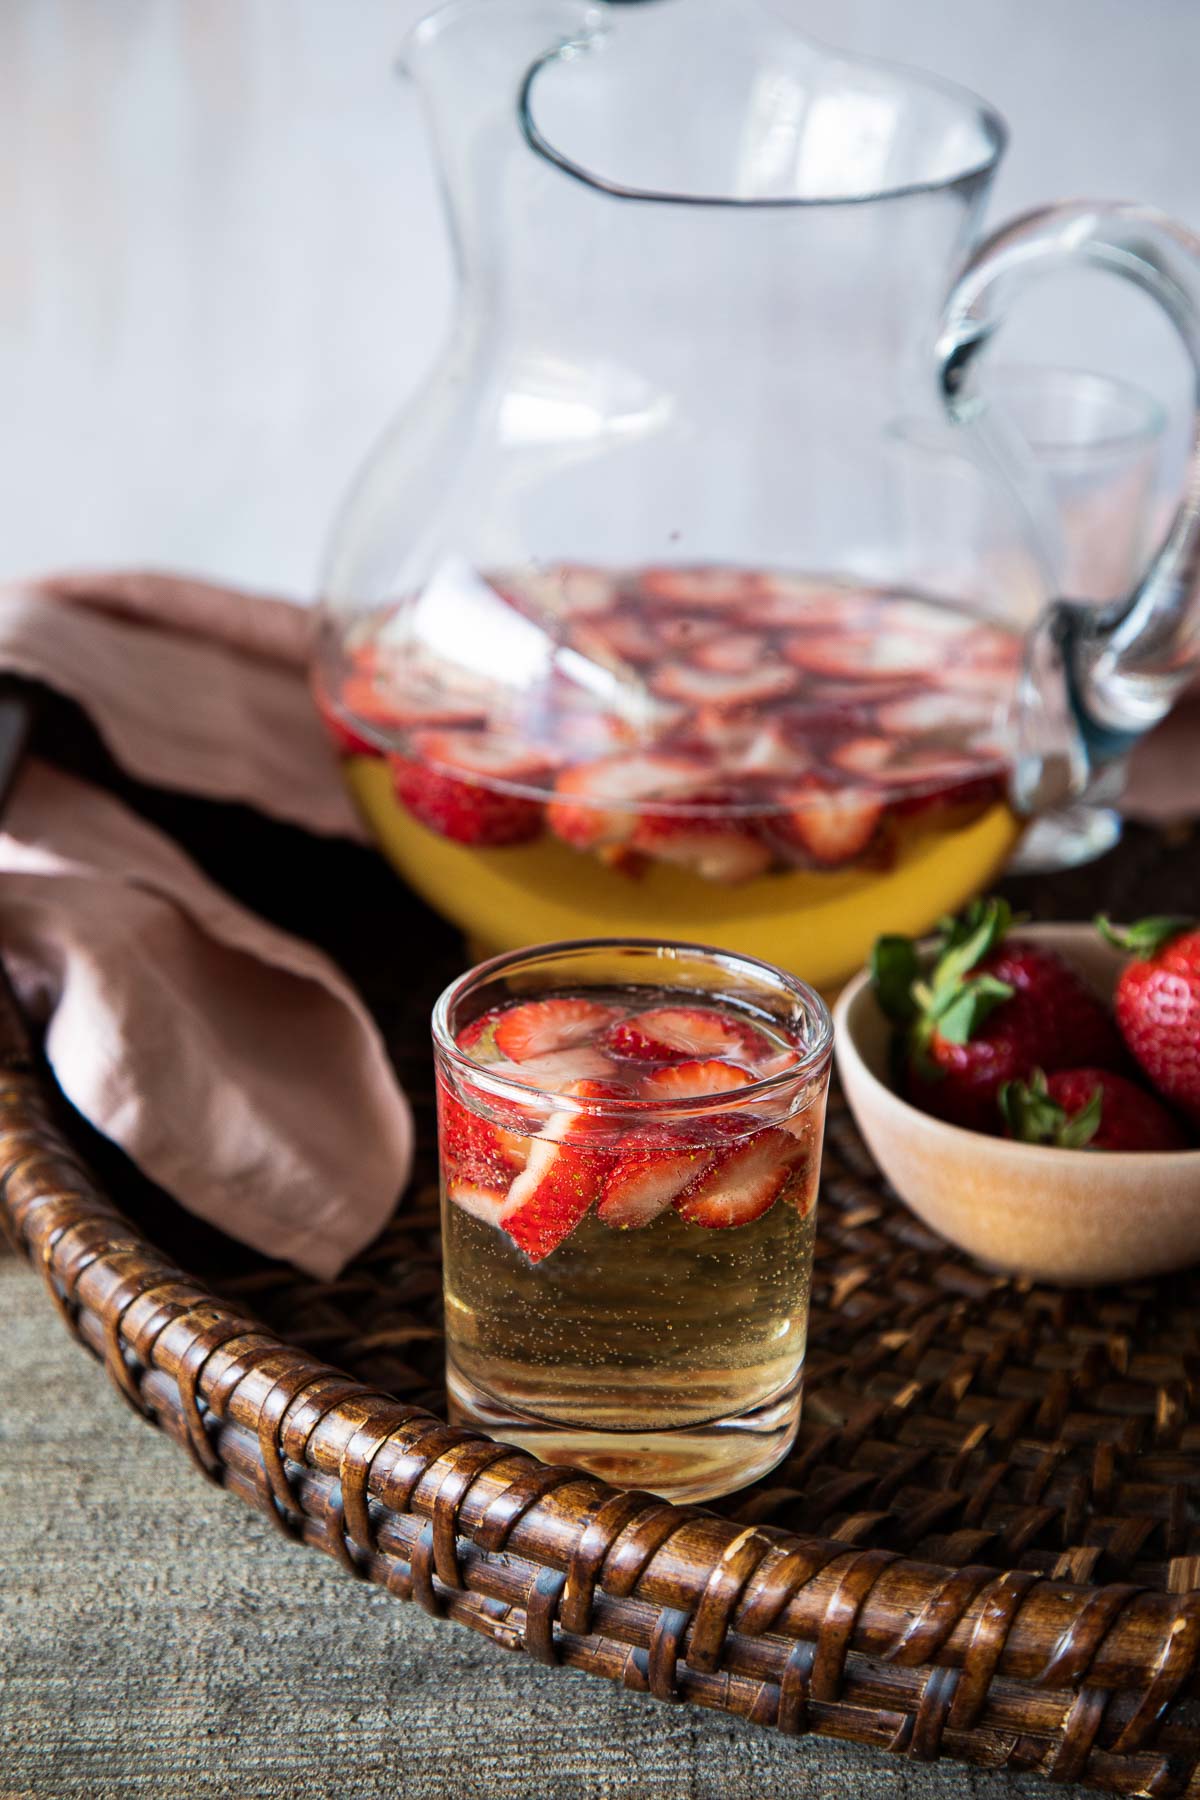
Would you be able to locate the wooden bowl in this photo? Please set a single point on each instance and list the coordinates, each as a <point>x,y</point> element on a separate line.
<point>1076,1217</point>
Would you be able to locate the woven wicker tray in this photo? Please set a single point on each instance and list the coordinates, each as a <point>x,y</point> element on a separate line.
<point>984,1546</point>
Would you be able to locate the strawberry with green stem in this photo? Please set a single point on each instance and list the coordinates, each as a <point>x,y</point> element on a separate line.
<point>1087,1109</point>
<point>989,1009</point>
<point>1157,1003</point>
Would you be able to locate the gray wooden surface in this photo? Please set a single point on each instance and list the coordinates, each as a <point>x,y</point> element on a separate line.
<point>157,1638</point>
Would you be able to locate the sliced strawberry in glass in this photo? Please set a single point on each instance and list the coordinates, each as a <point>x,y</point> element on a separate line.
<point>561,1181</point>
<point>694,1080</point>
<point>743,1182</point>
<point>478,1199</point>
<point>537,1027</point>
<point>688,1034</point>
<point>554,1072</point>
<point>646,1178</point>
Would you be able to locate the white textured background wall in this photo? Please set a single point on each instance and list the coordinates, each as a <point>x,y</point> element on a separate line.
<point>222,266</point>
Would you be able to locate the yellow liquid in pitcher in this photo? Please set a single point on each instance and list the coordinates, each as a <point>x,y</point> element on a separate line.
<point>819,924</point>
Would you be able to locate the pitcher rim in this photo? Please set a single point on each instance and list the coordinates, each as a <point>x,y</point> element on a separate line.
<point>992,122</point>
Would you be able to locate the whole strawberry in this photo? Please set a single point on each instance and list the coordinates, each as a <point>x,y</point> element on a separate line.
<point>1158,1004</point>
<point>989,1011</point>
<point>1087,1109</point>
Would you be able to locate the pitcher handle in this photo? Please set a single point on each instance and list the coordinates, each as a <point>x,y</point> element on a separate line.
<point>1118,669</point>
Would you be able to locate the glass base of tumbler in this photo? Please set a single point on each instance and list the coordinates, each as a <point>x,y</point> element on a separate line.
<point>1066,840</point>
<point>694,1462</point>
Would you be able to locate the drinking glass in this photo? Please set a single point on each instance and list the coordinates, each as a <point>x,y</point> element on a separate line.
<point>1097,444</point>
<point>628,1230</point>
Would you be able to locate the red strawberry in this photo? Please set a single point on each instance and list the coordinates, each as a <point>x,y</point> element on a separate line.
<point>465,811</point>
<point>743,1182</point>
<point>686,1033</point>
<point>486,1203</point>
<point>646,1178</point>
<point>596,803</point>
<point>560,1182</point>
<point>1091,1109</point>
<point>685,632</point>
<point>694,1081</point>
<point>537,1027</point>
<point>990,1010</point>
<point>720,846</point>
<point>1158,1004</point>
<point>715,687</point>
<point>830,825</point>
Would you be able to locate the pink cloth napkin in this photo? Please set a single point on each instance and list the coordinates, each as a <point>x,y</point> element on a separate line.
<point>232,1062</point>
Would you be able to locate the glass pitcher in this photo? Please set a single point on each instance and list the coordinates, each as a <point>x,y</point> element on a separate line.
<point>697,594</point>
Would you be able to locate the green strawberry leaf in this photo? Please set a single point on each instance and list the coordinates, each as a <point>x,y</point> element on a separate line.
<point>1081,1127</point>
<point>1028,1111</point>
<point>1033,1117</point>
<point>894,970</point>
<point>1147,937</point>
<point>982,927</point>
<point>960,1012</point>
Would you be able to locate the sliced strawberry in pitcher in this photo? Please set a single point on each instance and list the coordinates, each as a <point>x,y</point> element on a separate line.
<point>898,764</point>
<point>743,1182</point>
<point>407,708</point>
<point>539,1026</point>
<point>484,754</point>
<point>561,1181</point>
<point>685,632</point>
<point>934,713</point>
<point>462,809</point>
<point>714,687</point>
<point>830,825</point>
<point>861,655</point>
<point>621,634</point>
<point>646,1179</point>
<point>703,588</point>
<point>595,803</point>
<point>732,652</point>
<point>690,1034</point>
<point>720,847</point>
<point>694,1080</point>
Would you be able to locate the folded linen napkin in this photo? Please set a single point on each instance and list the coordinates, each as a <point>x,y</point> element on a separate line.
<point>233,1063</point>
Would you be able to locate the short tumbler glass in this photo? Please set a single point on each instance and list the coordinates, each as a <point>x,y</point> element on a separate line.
<point>628,1242</point>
